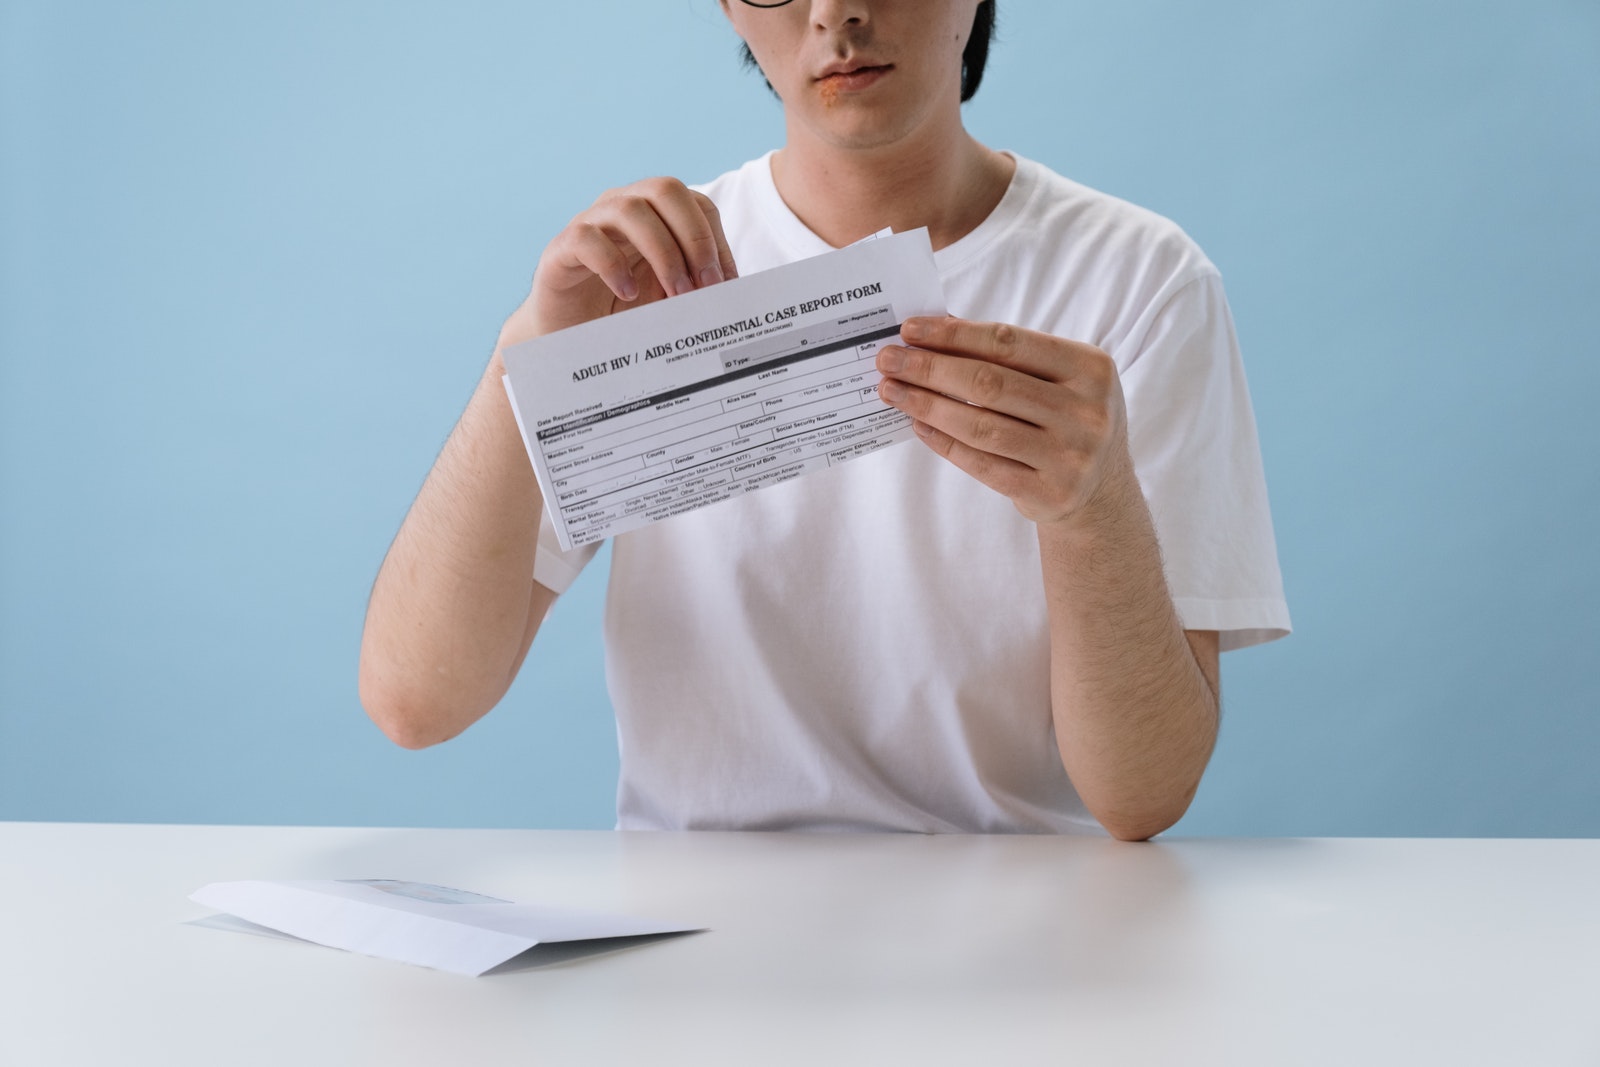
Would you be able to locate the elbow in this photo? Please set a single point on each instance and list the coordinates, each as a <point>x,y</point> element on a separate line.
<point>1142,823</point>
<point>415,710</point>
<point>402,718</point>
<point>1131,830</point>
<point>406,734</point>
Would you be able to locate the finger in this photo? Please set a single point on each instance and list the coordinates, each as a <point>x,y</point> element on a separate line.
<point>695,225</point>
<point>685,219</point>
<point>1053,359</point>
<point>633,218</point>
<point>979,429</point>
<point>1004,476</point>
<point>724,253</point>
<point>588,249</point>
<point>976,381</point>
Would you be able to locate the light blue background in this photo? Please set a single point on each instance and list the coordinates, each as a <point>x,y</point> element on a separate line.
<point>253,257</point>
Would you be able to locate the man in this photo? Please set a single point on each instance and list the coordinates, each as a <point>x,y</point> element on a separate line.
<point>974,632</point>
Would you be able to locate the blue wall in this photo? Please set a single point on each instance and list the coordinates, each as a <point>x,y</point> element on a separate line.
<point>253,257</point>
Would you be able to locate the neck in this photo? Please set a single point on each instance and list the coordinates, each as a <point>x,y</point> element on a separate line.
<point>948,183</point>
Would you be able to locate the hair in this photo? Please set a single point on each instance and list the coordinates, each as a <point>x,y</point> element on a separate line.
<point>973,58</point>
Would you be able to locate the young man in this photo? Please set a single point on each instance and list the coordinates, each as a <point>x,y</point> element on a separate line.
<point>974,632</point>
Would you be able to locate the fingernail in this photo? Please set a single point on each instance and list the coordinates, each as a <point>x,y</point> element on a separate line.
<point>630,291</point>
<point>710,276</point>
<point>892,391</point>
<point>923,429</point>
<point>682,285</point>
<point>891,358</point>
<point>913,329</point>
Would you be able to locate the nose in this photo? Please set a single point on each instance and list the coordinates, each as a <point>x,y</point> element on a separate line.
<point>831,14</point>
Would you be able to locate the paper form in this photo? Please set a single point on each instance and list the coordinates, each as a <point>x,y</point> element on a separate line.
<point>693,400</point>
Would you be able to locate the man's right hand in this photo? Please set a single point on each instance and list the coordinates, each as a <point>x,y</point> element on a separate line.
<point>635,245</point>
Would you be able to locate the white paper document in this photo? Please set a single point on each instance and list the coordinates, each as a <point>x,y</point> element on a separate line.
<point>428,925</point>
<point>686,402</point>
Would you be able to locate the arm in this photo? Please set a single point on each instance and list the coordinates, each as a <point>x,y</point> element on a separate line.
<point>1136,697</point>
<point>1042,420</point>
<point>455,608</point>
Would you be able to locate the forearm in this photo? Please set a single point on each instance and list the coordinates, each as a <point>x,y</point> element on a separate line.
<point>1135,712</point>
<point>455,606</point>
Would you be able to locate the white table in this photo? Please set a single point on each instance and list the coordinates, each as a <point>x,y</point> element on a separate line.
<point>823,949</point>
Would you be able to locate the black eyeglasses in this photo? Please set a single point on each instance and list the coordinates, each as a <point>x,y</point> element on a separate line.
<point>780,3</point>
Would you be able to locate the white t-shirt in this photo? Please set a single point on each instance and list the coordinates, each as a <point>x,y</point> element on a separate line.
<point>866,648</point>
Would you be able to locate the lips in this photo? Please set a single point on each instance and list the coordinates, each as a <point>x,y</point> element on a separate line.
<point>853,75</point>
<point>851,66</point>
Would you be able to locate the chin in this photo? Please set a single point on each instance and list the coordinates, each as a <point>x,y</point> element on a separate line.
<point>859,135</point>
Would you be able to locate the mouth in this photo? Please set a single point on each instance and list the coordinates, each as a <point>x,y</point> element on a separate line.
<point>851,78</point>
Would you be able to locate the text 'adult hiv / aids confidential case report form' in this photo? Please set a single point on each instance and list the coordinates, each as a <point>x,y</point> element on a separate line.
<point>686,402</point>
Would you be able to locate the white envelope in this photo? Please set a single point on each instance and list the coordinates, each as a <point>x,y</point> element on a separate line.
<point>412,922</point>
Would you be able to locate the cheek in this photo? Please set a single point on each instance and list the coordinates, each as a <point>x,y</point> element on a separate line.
<point>771,65</point>
<point>960,26</point>
<point>774,44</point>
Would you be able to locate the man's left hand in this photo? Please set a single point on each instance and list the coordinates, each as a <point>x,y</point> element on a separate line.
<point>1038,418</point>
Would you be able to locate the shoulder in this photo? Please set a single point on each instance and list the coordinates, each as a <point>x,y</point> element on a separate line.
<point>1069,217</point>
<point>728,182</point>
<point>1074,261</point>
<point>739,191</point>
